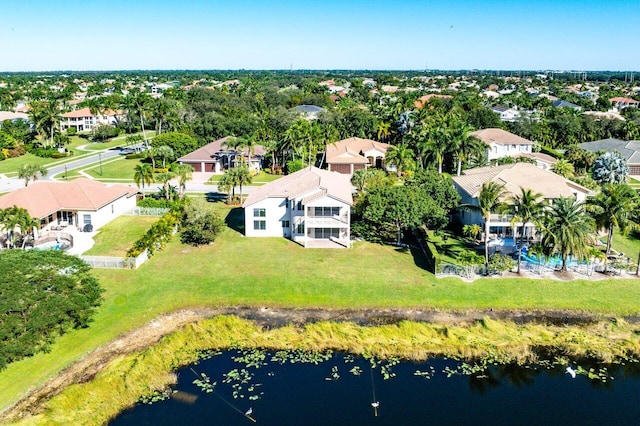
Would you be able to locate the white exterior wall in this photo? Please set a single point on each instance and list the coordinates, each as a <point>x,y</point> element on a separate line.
<point>276,211</point>
<point>107,213</point>
<point>498,150</point>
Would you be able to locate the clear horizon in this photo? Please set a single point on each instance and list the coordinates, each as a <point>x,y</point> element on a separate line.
<point>200,35</point>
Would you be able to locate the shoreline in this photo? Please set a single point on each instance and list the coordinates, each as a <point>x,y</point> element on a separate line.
<point>86,368</point>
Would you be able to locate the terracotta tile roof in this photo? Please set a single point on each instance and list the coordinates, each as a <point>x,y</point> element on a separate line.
<point>623,100</point>
<point>309,183</point>
<point>83,112</point>
<point>206,153</point>
<point>517,175</point>
<point>348,151</point>
<point>499,136</point>
<point>422,100</point>
<point>47,197</point>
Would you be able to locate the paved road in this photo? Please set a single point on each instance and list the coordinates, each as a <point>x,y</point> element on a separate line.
<point>82,162</point>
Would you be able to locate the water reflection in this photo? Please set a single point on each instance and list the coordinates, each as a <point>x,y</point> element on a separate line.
<point>296,388</point>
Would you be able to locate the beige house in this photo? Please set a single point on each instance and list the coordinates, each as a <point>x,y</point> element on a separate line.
<point>513,177</point>
<point>352,154</point>
<point>311,207</point>
<point>501,143</point>
<point>83,120</point>
<point>81,204</point>
<point>217,156</point>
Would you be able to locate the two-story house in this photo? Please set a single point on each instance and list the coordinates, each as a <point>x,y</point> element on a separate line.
<point>84,120</point>
<point>501,143</point>
<point>311,207</point>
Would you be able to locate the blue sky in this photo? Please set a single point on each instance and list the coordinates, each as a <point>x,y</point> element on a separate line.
<point>38,35</point>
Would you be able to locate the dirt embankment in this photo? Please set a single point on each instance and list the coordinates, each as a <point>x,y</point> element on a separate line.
<point>87,367</point>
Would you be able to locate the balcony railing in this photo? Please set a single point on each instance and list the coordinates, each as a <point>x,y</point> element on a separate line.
<point>330,221</point>
<point>500,217</point>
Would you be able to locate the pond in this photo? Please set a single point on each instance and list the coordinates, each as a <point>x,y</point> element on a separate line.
<point>337,389</point>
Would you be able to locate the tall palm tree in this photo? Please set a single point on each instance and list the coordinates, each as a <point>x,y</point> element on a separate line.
<point>567,229</point>
<point>243,177</point>
<point>527,207</point>
<point>140,102</point>
<point>143,174</point>
<point>490,199</point>
<point>612,207</point>
<point>463,143</point>
<point>383,130</point>
<point>184,172</point>
<point>400,156</point>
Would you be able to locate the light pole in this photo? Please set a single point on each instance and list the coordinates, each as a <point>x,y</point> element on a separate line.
<point>65,172</point>
<point>100,157</point>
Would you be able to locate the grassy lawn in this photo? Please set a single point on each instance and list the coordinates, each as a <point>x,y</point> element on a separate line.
<point>120,168</point>
<point>450,246</point>
<point>277,272</point>
<point>628,244</point>
<point>115,238</point>
<point>257,180</point>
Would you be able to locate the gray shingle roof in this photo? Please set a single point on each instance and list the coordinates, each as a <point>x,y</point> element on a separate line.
<point>629,150</point>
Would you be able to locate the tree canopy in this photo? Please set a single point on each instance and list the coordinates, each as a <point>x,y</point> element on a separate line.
<point>43,294</point>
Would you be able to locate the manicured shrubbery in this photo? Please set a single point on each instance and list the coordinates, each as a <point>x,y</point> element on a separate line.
<point>158,235</point>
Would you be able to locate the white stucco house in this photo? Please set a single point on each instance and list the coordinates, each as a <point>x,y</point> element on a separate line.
<point>76,204</point>
<point>501,143</point>
<point>513,177</point>
<point>311,207</point>
<point>84,120</point>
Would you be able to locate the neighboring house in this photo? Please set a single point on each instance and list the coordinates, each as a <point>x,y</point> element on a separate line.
<point>506,114</point>
<point>628,150</point>
<point>501,143</point>
<point>619,103</point>
<point>423,100</point>
<point>311,207</point>
<point>544,161</point>
<point>77,203</point>
<point>83,120</point>
<point>559,103</point>
<point>217,156</point>
<point>513,177</point>
<point>310,112</point>
<point>13,116</point>
<point>352,154</point>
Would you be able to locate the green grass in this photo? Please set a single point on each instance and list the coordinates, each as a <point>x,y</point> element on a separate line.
<point>628,244</point>
<point>450,246</point>
<point>257,180</point>
<point>119,168</point>
<point>115,238</point>
<point>236,270</point>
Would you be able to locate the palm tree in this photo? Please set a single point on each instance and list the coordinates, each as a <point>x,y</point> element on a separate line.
<point>527,207</point>
<point>45,114</point>
<point>31,172</point>
<point>228,183</point>
<point>567,229</point>
<point>243,177</point>
<point>563,168</point>
<point>143,174</point>
<point>383,130</point>
<point>166,152</point>
<point>400,156</point>
<point>139,101</point>
<point>610,168</point>
<point>184,172</point>
<point>13,218</point>
<point>164,179</point>
<point>490,199</point>
<point>463,143</point>
<point>611,208</point>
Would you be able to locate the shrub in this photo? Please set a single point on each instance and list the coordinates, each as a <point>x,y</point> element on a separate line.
<point>44,152</point>
<point>158,235</point>
<point>72,131</point>
<point>156,202</point>
<point>135,156</point>
<point>201,224</point>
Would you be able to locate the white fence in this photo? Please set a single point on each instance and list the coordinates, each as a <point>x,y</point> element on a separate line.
<point>148,211</point>
<point>111,262</point>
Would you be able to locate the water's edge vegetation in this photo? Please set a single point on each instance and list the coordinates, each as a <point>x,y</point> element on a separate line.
<point>127,378</point>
